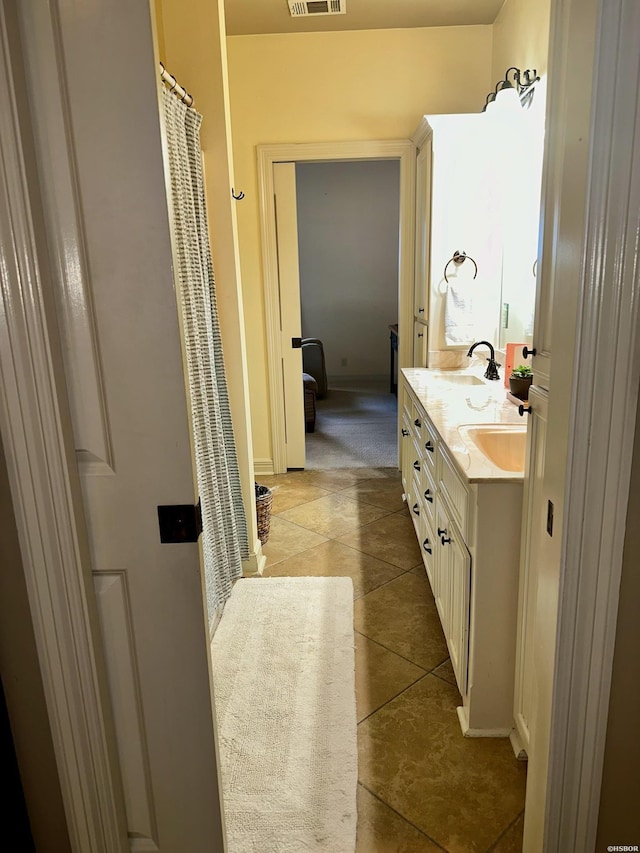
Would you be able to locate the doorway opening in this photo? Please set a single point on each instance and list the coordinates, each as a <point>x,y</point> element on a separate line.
<point>348,218</point>
<point>364,389</point>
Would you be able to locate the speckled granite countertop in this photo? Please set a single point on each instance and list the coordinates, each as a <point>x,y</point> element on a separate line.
<point>451,405</point>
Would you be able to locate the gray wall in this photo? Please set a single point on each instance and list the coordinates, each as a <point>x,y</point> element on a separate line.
<point>348,222</point>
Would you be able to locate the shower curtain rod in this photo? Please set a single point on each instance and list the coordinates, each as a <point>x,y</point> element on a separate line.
<point>178,90</point>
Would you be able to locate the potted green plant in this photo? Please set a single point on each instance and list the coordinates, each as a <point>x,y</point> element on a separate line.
<point>520,381</point>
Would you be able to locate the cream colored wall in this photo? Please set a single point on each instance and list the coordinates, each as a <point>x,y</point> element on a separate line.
<point>521,37</point>
<point>190,37</point>
<point>312,87</point>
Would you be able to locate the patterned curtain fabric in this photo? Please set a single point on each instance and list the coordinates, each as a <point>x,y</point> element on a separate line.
<point>224,534</point>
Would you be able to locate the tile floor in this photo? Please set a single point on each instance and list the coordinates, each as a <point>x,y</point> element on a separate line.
<point>422,786</point>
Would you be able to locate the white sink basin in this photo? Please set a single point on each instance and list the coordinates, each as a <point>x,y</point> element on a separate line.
<point>504,445</point>
<point>458,378</point>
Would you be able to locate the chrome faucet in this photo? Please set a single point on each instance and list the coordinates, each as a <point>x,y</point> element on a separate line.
<point>492,370</point>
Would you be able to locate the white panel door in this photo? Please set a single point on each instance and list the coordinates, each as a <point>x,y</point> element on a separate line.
<point>114,219</point>
<point>284,183</point>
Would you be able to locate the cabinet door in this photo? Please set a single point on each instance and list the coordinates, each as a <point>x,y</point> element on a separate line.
<point>441,574</point>
<point>406,451</point>
<point>459,567</point>
<point>419,344</point>
<point>453,579</point>
<point>533,526</point>
<point>423,232</point>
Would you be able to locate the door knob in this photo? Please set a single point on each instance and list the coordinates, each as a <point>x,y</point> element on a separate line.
<point>416,509</point>
<point>427,546</point>
<point>526,352</point>
<point>522,411</point>
<point>405,432</point>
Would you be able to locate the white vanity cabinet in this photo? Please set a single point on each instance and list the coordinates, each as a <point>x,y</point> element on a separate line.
<point>469,535</point>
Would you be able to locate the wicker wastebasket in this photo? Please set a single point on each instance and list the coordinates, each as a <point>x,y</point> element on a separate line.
<point>264,499</point>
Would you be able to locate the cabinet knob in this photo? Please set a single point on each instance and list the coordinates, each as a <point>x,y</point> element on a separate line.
<point>429,446</point>
<point>420,310</point>
<point>526,352</point>
<point>442,531</point>
<point>522,411</point>
<point>418,422</point>
<point>428,496</point>
<point>421,334</point>
<point>405,432</point>
<point>445,541</point>
<point>416,509</point>
<point>416,465</point>
<point>427,546</point>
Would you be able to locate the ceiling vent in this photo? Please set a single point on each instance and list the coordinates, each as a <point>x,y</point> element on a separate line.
<point>301,8</point>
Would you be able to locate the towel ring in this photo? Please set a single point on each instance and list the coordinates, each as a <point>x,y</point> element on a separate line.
<point>459,258</point>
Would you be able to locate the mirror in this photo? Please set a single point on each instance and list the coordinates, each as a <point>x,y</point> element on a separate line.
<point>518,134</point>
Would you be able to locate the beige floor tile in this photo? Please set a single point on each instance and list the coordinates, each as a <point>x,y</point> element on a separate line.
<point>333,515</point>
<point>462,792</point>
<point>380,675</point>
<point>392,539</point>
<point>336,479</point>
<point>288,495</point>
<point>287,539</point>
<point>445,671</point>
<point>511,841</point>
<point>402,617</point>
<point>381,830</point>
<point>383,492</point>
<point>332,559</point>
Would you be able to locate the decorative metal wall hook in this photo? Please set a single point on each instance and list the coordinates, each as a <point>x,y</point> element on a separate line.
<point>238,197</point>
<point>459,258</point>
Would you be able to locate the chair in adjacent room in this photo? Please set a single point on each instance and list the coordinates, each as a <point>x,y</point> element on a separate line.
<point>313,363</point>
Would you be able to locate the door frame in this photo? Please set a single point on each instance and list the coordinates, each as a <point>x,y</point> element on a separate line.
<point>402,150</point>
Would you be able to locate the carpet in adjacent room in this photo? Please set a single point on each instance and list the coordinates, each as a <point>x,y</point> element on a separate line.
<point>283,667</point>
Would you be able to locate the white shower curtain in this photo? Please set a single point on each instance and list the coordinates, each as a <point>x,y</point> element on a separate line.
<point>224,529</point>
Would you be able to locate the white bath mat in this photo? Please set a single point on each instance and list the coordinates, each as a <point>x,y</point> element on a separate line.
<point>283,666</point>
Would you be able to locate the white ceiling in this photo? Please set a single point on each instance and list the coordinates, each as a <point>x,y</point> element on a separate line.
<point>245,17</point>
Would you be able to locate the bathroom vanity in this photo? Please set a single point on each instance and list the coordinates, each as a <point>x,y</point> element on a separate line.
<point>463,447</point>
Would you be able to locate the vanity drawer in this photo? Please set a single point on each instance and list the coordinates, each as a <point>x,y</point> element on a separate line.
<point>428,542</point>
<point>455,492</point>
<point>417,419</point>
<point>428,493</point>
<point>429,446</point>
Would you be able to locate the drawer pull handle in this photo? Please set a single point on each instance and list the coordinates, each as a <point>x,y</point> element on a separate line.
<point>416,465</point>
<point>416,509</point>
<point>429,446</point>
<point>427,546</point>
<point>428,496</point>
<point>418,422</point>
<point>405,432</point>
<point>442,531</point>
<point>444,541</point>
<point>522,411</point>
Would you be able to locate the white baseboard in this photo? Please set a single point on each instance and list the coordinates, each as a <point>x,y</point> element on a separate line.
<point>341,378</point>
<point>468,732</point>
<point>255,563</point>
<point>262,466</point>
